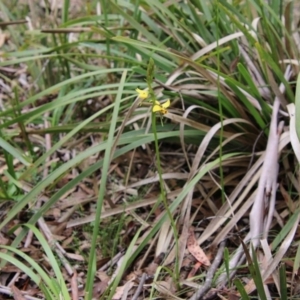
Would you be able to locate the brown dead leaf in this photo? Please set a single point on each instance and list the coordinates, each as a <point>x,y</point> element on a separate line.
<point>121,290</point>
<point>195,249</point>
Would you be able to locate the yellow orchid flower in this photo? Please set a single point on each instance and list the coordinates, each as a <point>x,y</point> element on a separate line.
<point>143,94</point>
<point>162,108</point>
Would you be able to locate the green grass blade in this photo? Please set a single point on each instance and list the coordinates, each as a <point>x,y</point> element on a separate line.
<point>14,152</point>
<point>106,164</point>
<point>43,275</point>
<point>56,268</point>
<point>285,230</point>
<point>256,275</point>
<point>283,282</point>
<point>27,270</point>
<point>241,289</point>
<point>297,104</point>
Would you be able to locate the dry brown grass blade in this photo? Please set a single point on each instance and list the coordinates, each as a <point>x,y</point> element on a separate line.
<point>153,179</point>
<point>146,256</point>
<point>250,98</point>
<point>122,126</point>
<point>181,247</point>
<point>185,219</point>
<point>274,262</point>
<point>210,134</point>
<point>275,89</point>
<point>256,75</point>
<point>202,127</point>
<point>265,195</point>
<point>268,257</point>
<point>288,171</point>
<point>165,236</point>
<point>121,209</point>
<point>217,80</point>
<point>268,180</point>
<point>242,190</point>
<point>202,52</point>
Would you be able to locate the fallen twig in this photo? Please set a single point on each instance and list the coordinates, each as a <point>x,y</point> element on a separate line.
<point>140,286</point>
<point>210,273</point>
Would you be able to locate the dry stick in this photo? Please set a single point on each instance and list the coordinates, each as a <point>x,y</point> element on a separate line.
<point>112,261</point>
<point>140,286</point>
<point>7,291</point>
<point>210,273</point>
<point>259,224</point>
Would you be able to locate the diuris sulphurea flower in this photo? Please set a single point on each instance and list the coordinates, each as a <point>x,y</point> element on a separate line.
<point>162,108</point>
<point>143,94</point>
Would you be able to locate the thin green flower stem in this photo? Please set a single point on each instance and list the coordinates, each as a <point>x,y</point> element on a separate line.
<point>163,193</point>
<point>220,107</point>
<point>150,76</point>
